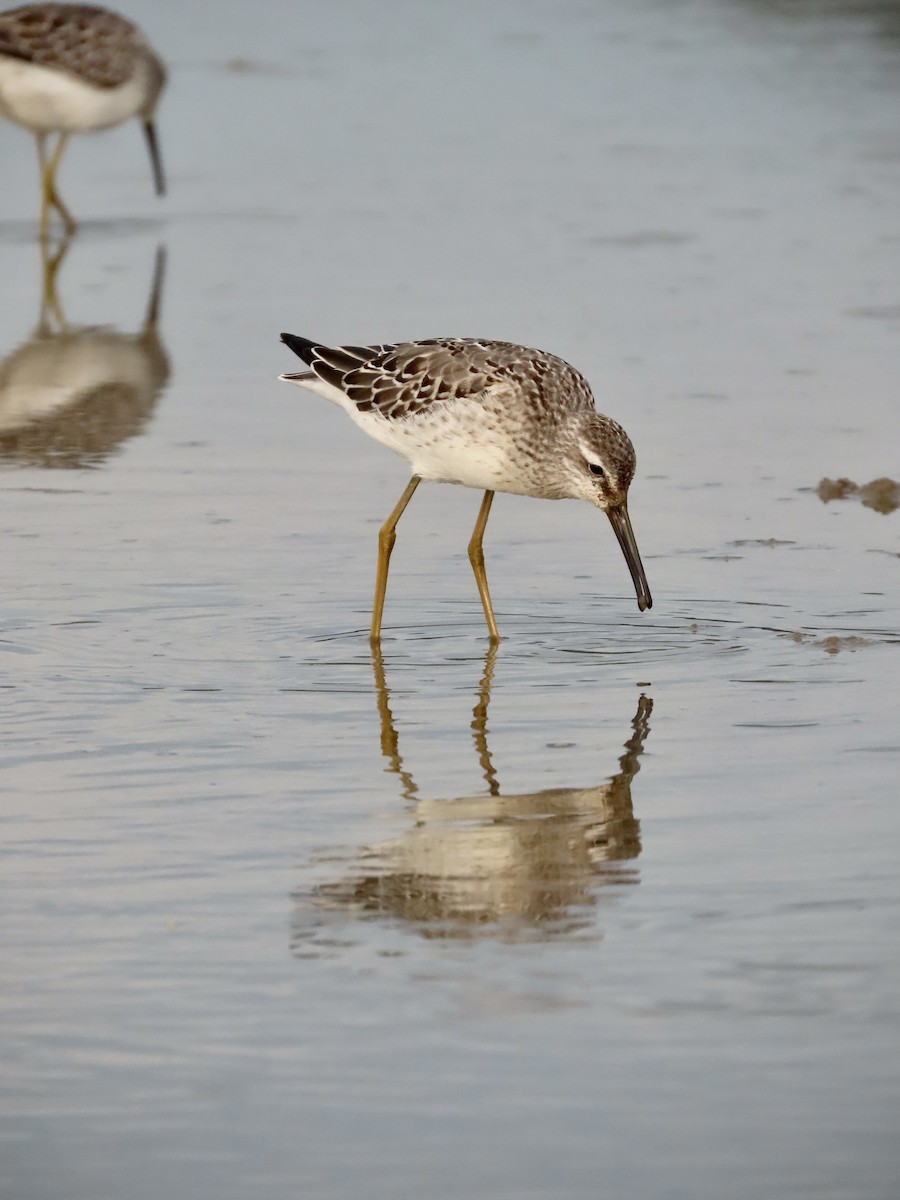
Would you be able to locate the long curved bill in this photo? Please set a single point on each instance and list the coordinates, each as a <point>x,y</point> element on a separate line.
<point>159,179</point>
<point>621,523</point>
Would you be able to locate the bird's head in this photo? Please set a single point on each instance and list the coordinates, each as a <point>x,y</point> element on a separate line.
<point>599,465</point>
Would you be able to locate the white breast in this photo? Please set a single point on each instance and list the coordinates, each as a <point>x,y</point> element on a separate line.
<point>45,100</point>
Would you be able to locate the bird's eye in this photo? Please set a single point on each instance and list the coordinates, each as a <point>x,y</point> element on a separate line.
<point>596,469</point>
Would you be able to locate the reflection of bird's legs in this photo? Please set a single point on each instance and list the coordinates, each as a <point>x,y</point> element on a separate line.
<point>617,835</point>
<point>386,538</point>
<point>49,194</point>
<point>476,558</point>
<point>390,747</point>
<point>151,318</point>
<point>634,747</point>
<point>50,305</point>
<point>479,721</point>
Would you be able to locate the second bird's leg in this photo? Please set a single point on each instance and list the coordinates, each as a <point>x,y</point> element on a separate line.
<point>41,139</point>
<point>386,538</point>
<point>49,194</point>
<point>67,218</point>
<point>476,558</point>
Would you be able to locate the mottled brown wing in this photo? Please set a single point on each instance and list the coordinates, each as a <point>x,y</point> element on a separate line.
<point>92,43</point>
<point>405,379</point>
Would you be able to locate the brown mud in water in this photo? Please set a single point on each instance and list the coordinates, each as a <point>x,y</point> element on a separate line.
<point>883,495</point>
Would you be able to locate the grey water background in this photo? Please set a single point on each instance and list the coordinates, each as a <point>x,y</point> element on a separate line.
<point>614,912</point>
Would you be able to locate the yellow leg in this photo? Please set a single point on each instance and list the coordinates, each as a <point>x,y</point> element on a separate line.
<point>49,194</point>
<point>41,139</point>
<point>476,558</point>
<point>386,539</point>
<point>68,219</point>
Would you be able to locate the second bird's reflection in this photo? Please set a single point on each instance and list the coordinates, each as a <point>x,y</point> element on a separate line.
<point>70,395</point>
<point>497,863</point>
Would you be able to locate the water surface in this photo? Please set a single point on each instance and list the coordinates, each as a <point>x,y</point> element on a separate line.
<point>612,911</point>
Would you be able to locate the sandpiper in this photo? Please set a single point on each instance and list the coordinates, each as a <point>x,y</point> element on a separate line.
<point>485,414</point>
<point>75,68</point>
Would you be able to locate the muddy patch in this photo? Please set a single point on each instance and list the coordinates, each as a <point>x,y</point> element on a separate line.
<point>883,494</point>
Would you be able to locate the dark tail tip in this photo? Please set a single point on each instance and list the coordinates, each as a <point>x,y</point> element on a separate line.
<point>302,347</point>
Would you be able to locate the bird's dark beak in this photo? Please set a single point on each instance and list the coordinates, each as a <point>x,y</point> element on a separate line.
<point>159,180</point>
<point>621,523</point>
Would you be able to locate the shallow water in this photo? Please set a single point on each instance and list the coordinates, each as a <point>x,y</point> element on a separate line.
<point>612,911</point>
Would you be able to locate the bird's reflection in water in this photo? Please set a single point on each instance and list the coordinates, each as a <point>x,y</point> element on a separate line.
<point>535,864</point>
<point>69,396</point>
